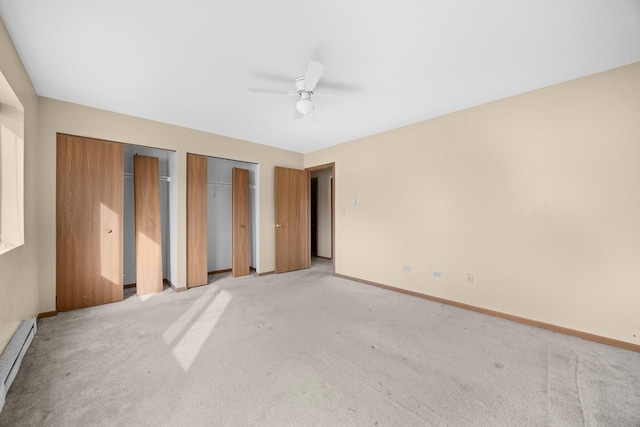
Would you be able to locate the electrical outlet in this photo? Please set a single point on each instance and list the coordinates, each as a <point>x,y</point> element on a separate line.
<point>469,278</point>
<point>437,274</point>
<point>406,268</point>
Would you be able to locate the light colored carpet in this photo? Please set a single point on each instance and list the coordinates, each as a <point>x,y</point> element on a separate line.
<point>307,348</point>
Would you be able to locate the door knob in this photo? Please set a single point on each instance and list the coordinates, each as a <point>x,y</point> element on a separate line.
<point>109,231</point>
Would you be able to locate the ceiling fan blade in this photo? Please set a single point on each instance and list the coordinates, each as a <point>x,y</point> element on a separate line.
<point>272,91</point>
<point>314,71</point>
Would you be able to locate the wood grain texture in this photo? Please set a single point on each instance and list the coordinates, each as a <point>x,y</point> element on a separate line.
<point>292,213</point>
<point>45,314</point>
<point>146,175</point>
<point>89,206</point>
<point>240,222</point>
<point>196,220</point>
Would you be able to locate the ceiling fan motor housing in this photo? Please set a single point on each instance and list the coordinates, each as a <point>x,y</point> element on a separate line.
<point>304,105</point>
<point>300,85</point>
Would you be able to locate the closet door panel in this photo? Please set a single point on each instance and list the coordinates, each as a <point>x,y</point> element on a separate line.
<point>240,222</point>
<point>148,225</point>
<point>89,208</point>
<point>196,220</point>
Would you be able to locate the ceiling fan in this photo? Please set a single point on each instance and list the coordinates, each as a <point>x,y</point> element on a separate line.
<point>305,86</point>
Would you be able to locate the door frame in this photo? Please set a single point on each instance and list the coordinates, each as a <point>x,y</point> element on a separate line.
<point>313,200</point>
<point>331,166</point>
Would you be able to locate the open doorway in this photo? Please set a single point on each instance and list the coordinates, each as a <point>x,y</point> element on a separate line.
<point>322,212</point>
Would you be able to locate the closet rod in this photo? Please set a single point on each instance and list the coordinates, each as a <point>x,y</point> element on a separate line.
<point>168,179</point>
<point>252,186</point>
<point>162,178</point>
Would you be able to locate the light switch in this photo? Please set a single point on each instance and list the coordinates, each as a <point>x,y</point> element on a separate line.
<point>354,201</point>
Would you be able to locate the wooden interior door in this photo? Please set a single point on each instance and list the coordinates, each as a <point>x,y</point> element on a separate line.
<point>292,212</point>
<point>89,209</point>
<point>240,222</point>
<point>148,225</point>
<point>197,273</point>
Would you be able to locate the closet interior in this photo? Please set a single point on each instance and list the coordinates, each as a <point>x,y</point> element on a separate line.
<point>220,213</point>
<point>168,213</point>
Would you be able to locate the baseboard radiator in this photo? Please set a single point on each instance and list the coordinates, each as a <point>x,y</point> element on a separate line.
<point>13,354</point>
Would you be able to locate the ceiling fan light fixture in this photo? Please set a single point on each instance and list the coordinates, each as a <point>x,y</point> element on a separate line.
<point>304,106</point>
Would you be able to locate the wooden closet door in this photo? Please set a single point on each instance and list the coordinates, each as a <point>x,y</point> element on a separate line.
<point>240,222</point>
<point>292,211</point>
<point>89,208</point>
<point>197,273</point>
<point>148,225</point>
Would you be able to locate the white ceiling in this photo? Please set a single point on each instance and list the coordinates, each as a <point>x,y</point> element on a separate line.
<point>190,63</point>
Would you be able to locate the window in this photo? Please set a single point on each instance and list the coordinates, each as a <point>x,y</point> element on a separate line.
<point>11,169</point>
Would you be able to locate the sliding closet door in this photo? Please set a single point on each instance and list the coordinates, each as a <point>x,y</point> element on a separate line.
<point>196,220</point>
<point>148,225</point>
<point>292,219</point>
<point>89,207</point>
<point>240,222</point>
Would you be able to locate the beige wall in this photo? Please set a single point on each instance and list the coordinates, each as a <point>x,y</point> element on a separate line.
<point>18,267</point>
<point>536,195</point>
<point>56,116</point>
